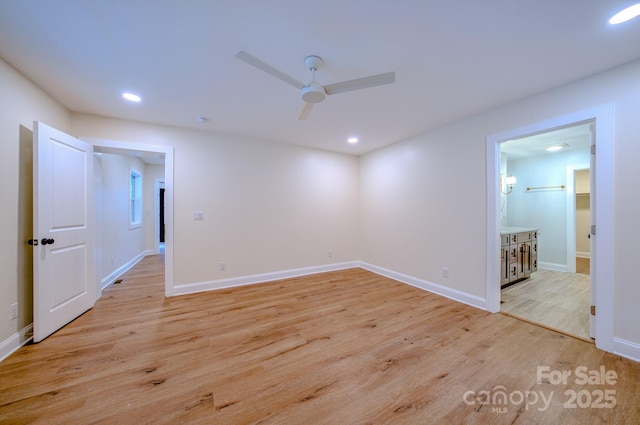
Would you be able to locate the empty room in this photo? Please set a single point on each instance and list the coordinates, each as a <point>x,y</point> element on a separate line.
<point>319,212</point>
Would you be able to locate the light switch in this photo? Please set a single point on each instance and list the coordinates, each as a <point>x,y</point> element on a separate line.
<point>198,215</point>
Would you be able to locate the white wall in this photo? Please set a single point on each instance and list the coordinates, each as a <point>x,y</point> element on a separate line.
<point>120,244</point>
<point>423,207</point>
<point>424,199</point>
<point>267,207</point>
<point>21,103</point>
<point>544,209</point>
<point>504,197</point>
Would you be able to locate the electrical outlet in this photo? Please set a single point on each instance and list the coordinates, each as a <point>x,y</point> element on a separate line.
<point>223,266</point>
<point>198,215</point>
<point>445,272</point>
<point>330,253</point>
<point>14,311</point>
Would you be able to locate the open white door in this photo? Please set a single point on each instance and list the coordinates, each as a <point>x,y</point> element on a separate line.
<point>592,245</point>
<point>63,278</point>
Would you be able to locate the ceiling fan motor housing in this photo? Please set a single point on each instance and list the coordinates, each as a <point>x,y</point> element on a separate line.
<point>313,93</point>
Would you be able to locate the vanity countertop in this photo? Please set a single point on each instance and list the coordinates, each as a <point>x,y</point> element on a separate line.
<point>507,230</point>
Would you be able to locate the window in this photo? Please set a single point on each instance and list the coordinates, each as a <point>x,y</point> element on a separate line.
<point>135,199</point>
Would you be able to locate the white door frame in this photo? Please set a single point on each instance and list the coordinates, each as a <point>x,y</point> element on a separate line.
<point>168,184</point>
<point>602,267</point>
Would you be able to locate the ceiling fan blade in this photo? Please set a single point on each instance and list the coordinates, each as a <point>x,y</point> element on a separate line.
<point>361,83</point>
<point>306,110</point>
<point>254,61</point>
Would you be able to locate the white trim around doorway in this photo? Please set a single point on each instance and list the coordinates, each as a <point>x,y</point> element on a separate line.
<point>602,267</point>
<point>168,153</point>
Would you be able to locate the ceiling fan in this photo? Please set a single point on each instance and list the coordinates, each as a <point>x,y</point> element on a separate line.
<point>313,92</point>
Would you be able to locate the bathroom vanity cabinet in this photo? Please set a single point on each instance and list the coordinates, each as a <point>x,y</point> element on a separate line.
<point>519,254</point>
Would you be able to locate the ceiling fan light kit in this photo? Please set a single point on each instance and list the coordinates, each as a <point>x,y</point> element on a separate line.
<point>314,92</point>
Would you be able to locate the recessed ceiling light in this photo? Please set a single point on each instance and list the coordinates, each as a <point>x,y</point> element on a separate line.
<point>132,97</point>
<point>554,148</point>
<point>626,14</point>
<point>352,140</point>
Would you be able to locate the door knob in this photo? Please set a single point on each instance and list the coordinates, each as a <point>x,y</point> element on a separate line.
<point>46,241</point>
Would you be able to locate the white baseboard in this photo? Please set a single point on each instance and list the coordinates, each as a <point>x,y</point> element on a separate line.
<point>15,341</point>
<point>627,349</point>
<point>553,266</point>
<point>453,294</point>
<point>444,291</point>
<point>583,254</point>
<point>191,288</point>
<point>113,276</point>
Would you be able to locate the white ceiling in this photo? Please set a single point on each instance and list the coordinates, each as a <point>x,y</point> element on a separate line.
<point>453,58</point>
<point>153,158</point>
<point>576,137</point>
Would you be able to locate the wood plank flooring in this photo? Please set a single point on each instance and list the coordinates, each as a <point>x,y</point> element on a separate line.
<point>583,265</point>
<point>554,299</point>
<point>346,347</point>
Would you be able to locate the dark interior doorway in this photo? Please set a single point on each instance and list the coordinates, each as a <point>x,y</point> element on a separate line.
<point>161,230</point>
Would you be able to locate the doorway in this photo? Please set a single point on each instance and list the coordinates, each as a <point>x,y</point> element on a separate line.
<point>93,259</point>
<point>161,216</point>
<point>157,155</point>
<point>582,214</point>
<point>601,211</point>
<point>544,198</point>
<point>159,203</point>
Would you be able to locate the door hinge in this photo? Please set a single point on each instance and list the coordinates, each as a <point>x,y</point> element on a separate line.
<point>593,229</point>
<point>593,149</point>
<point>593,310</point>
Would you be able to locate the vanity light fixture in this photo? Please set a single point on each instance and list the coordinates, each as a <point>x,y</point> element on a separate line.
<point>626,14</point>
<point>509,181</point>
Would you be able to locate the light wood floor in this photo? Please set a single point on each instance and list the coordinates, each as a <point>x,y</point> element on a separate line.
<point>583,265</point>
<point>554,299</point>
<point>347,347</point>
